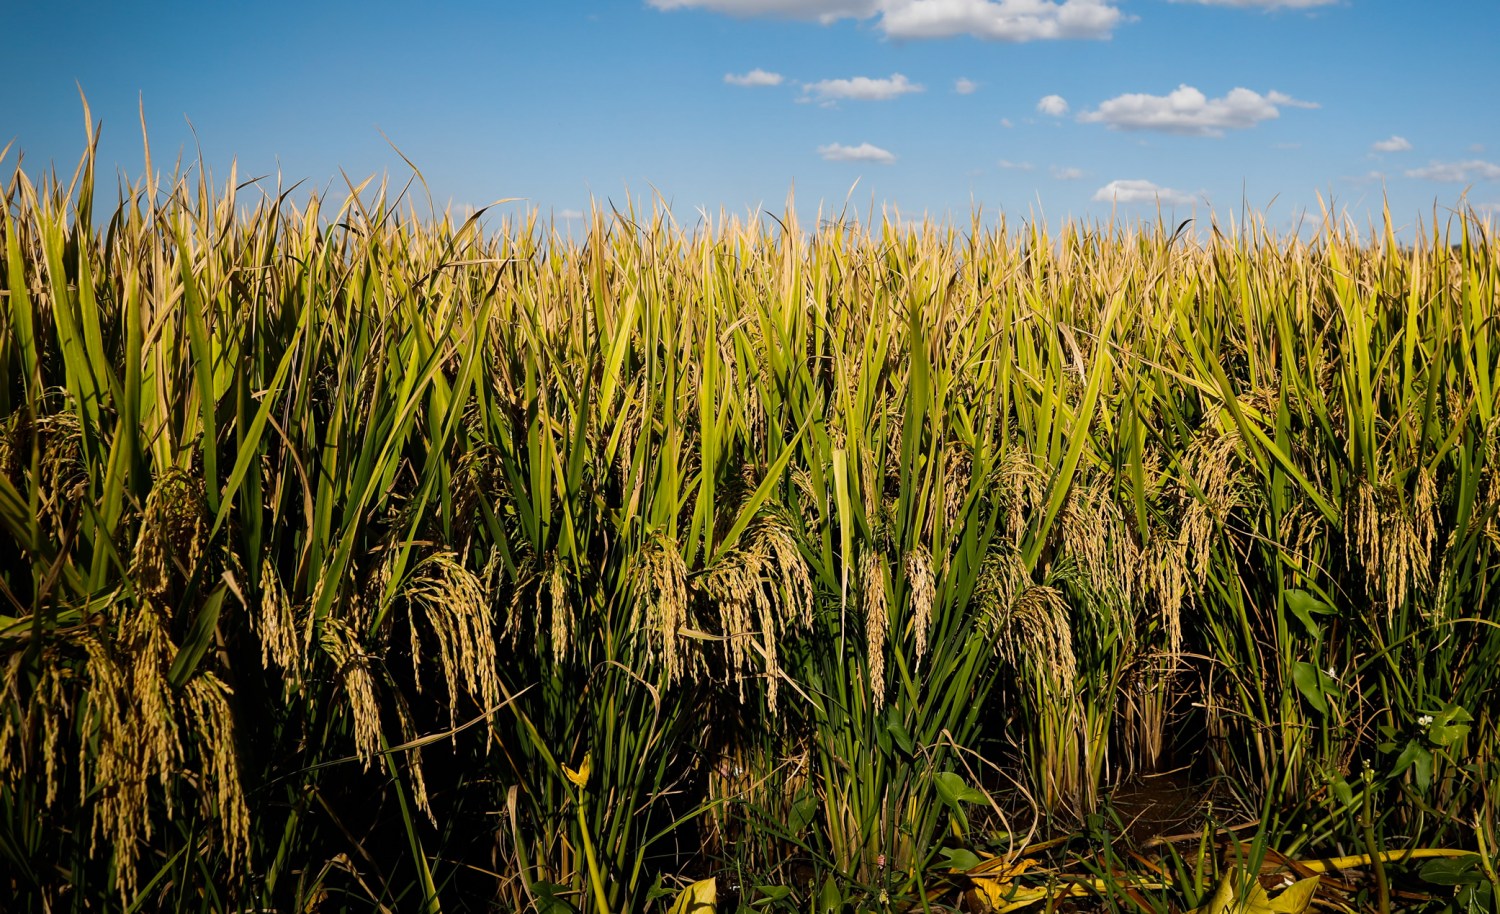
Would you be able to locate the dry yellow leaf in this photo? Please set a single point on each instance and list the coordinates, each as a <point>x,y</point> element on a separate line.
<point>1227,899</point>
<point>701,897</point>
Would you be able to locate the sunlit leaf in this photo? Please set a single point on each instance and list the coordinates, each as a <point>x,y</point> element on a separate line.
<point>701,897</point>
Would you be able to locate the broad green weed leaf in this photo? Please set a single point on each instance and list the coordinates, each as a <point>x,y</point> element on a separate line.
<point>1310,682</point>
<point>1453,871</point>
<point>1304,605</point>
<point>953,789</point>
<point>960,860</point>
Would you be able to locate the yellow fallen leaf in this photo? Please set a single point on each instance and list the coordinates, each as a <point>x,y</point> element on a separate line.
<point>1002,867</point>
<point>701,897</point>
<point>994,880</point>
<point>1239,894</point>
<point>1297,897</point>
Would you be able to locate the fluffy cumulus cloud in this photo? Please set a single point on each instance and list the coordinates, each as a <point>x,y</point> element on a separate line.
<point>1137,191</point>
<point>570,214</point>
<point>1263,4</point>
<point>994,20</point>
<point>1394,144</point>
<point>1187,111</point>
<point>756,77</point>
<point>1054,105</point>
<point>1471,170</point>
<point>1066,173</point>
<point>965,86</point>
<point>864,152</point>
<point>862,88</point>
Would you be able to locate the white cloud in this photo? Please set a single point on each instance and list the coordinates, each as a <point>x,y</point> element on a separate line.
<point>824,11</point>
<point>1263,4</point>
<point>569,214</point>
<point>1471,170</point>
<point>1054,105</point>
<point>994,20</point>
<point>1014,166</point>
<point>1006,123</point>
<point>1066,173</point>
<point>1369,177</point>
<point>1137,191</point>
<point>1394,144</point>
<point>862,88</point>
<point>1286,101</point>
<point>756,77</point>
<point>1476,147</point>
<point>1000,20</point>
<point>864,152</point>
<point>1187,111</point>
<point>965,86</point>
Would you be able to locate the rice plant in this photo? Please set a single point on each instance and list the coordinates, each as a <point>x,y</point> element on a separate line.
<point>359,558</point>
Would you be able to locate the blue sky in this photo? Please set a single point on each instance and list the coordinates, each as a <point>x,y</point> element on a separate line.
<point>1055,107</point>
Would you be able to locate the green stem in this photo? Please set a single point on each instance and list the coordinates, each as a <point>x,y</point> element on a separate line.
<point>1367,829</point>
<point>596,881</point>
<point>1485,862</point>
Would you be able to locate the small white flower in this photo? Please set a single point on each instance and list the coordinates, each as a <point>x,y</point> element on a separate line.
<point>1424,721</point>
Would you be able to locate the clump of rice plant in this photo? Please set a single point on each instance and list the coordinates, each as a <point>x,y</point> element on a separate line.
<point>348,553</point>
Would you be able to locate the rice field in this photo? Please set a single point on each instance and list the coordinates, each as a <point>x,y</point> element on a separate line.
<point>358,559</point>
